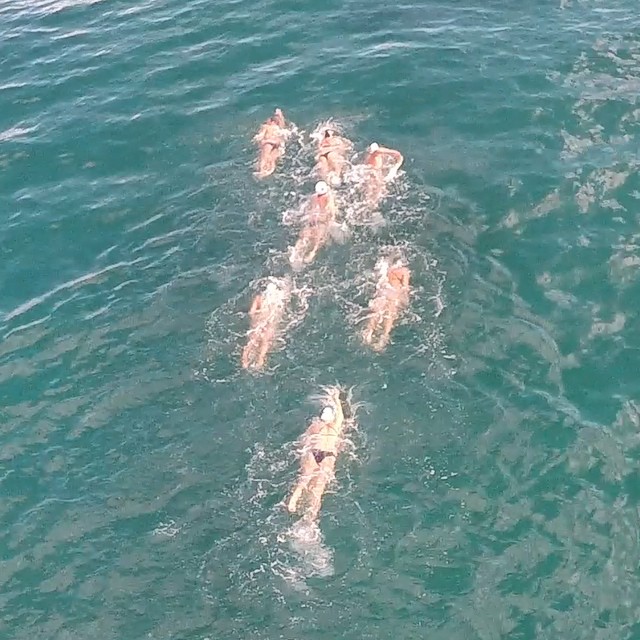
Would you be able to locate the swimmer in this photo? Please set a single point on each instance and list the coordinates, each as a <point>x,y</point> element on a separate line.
<point>320,447</point>
<point>392,295</point>
<point>265,315</point>
<point>321,214</point>
<point>331,157</point>
<point>379,173</point>
<point>270,139</point>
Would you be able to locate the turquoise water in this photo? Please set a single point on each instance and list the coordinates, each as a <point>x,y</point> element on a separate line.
<point>491,488</point>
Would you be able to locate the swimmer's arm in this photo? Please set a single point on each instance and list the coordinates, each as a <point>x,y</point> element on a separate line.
<point>339,412</point>
<point>334,394</point>
<point>256,305</point>
<point>333,208</point>
<point>399,159</point>
<point>406,275</point>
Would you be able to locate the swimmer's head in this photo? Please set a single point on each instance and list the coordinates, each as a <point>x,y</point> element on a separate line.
<point>373,147</point>
<point>328,414</point>
<point>322,188</point>
<point>271,289</point>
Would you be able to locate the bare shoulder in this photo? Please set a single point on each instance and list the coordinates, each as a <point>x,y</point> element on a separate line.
<point>315,426</point>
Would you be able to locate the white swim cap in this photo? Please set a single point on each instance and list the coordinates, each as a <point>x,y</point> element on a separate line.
<point>328,414</point>
<point>321,188</point>
<point>271,289</point>
<point>374,146</point>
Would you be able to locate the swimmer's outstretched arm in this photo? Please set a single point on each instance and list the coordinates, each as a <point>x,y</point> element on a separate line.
<point>393,172</point>
<point>339,417</point>
<point>332,208</point>
<point>256,306</point>
<point>404,278</point>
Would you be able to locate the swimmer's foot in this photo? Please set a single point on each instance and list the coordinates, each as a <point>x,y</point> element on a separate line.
<point>381,344</point>
<point>264,173</point>
<point>309,258</point>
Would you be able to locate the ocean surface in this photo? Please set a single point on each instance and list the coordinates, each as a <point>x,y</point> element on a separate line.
<point>491,488</point>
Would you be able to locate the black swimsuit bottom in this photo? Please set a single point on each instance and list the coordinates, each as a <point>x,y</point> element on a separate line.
<point>319,456</point>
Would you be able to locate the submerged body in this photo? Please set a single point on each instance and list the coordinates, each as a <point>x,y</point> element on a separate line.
<point>320,447</point>
<point>331,156</point>
<point>271,142</point>
<point>265,316</point>
<point>391,297</point>
<point>314,234</point>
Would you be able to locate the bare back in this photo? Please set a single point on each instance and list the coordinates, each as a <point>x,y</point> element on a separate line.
<point>265,311</point>
<point>270,133</point>
<point>321,209</point>
<point>326,436</point>
<point>334,144</point>
<point>394,286</point>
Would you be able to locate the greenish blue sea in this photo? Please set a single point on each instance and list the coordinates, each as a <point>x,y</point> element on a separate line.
<point>492,487</point>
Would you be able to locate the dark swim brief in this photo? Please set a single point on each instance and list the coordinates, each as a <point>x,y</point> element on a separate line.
<point>319,456</point>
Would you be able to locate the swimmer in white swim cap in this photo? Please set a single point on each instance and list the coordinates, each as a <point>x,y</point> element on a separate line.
<point>320,446</point>
<point>328,414</point>
<point>321,213</point>
<point>322,188</point>
<point>331,157</point>
<point>377,155</point>
<point>271,290</point>
<point>380,171</point>
<point>265,316</point>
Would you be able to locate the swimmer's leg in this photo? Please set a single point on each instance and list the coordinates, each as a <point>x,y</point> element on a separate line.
<point>309,467</point>
<point>265,346</point>
<point>248,353</point>
<point>317,236</point>
<point>269,155</point>
<point>318,486</point>
<point>373,321</point>
<point>389,320</point>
